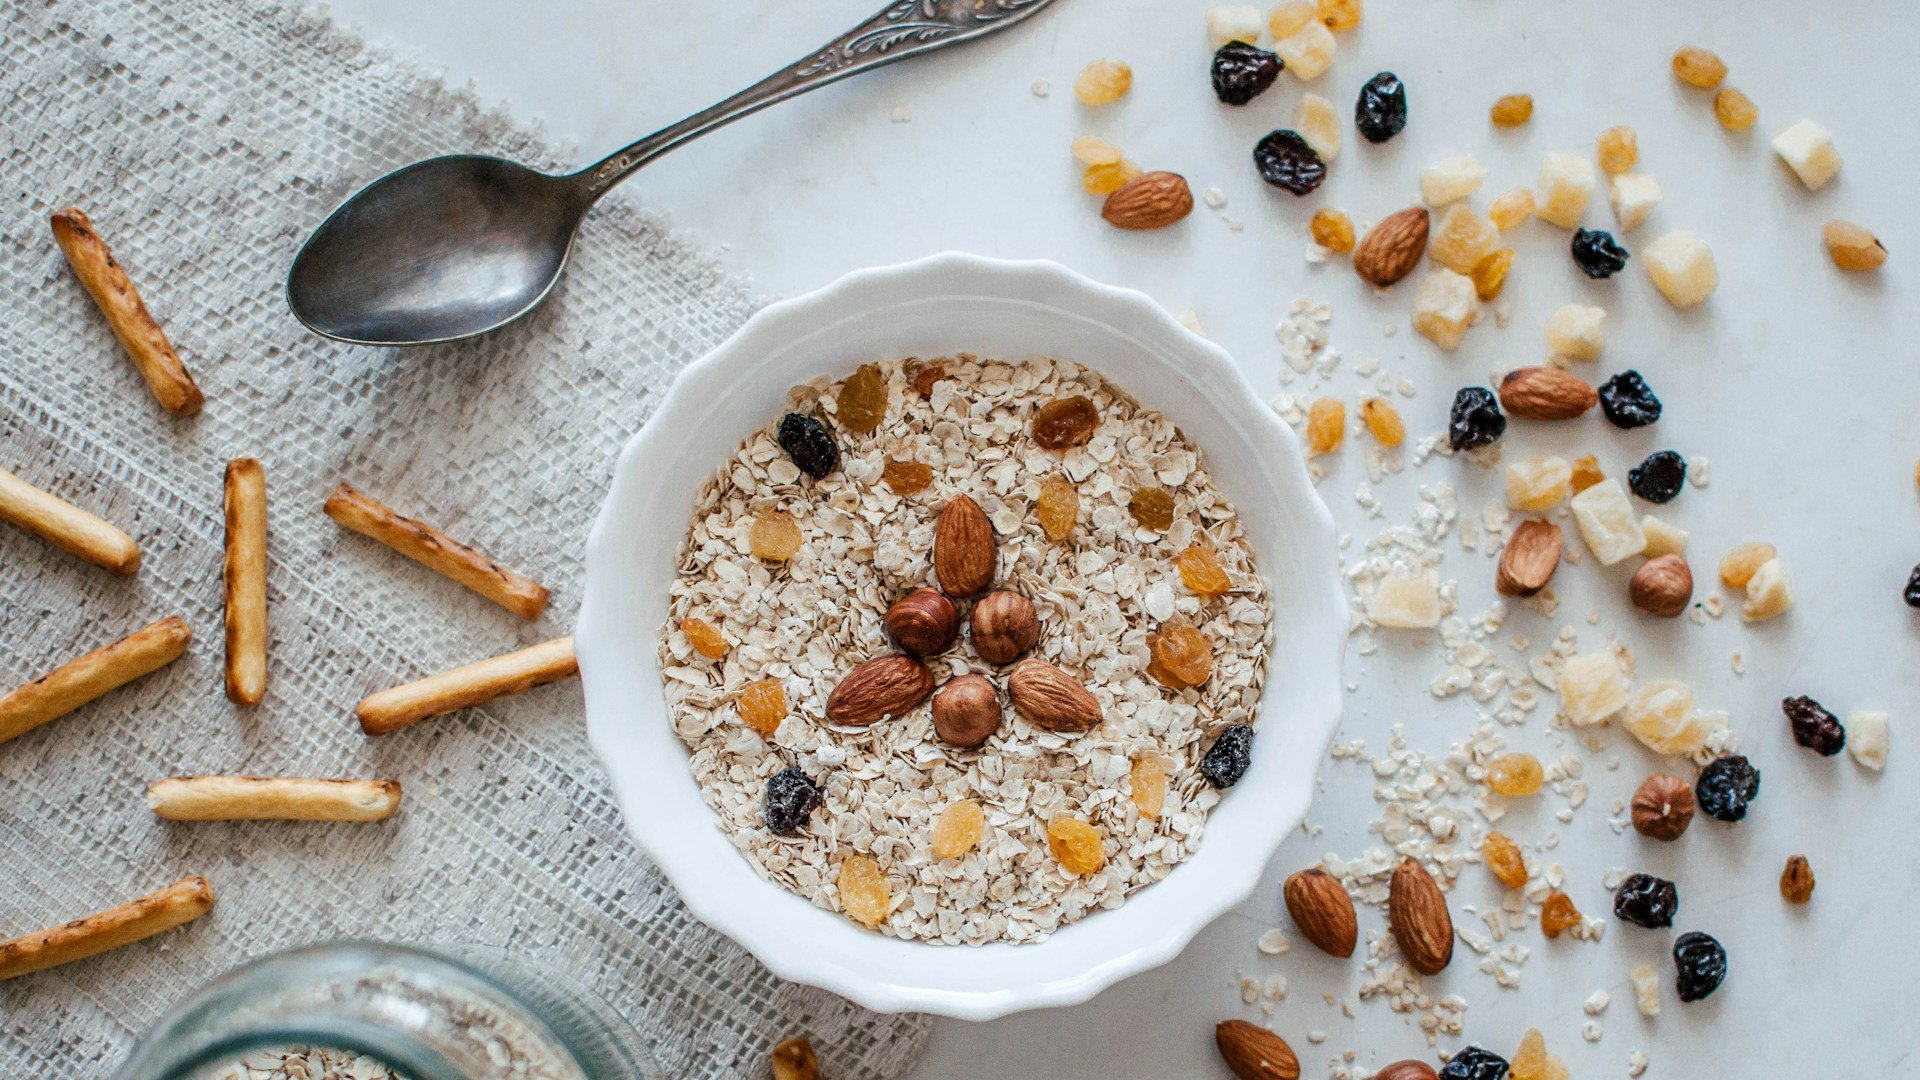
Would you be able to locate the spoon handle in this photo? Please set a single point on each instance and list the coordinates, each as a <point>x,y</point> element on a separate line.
<point>903,28</point>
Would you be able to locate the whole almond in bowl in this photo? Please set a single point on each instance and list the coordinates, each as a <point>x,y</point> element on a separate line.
<point>883,686</point>
<point>1050,698</point>
<point>963,548</point>
<point>1531,556</point>
<point>1323,911</point>
<point>1546,393</point>
<point>1255,1053</point>
<point>1392,249</point>
<point>1417,914</point>
<point>1152,200</point>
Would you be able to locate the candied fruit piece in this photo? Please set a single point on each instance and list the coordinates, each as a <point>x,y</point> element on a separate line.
<point>1618,149</point>
<point>1077,845</point>
<point>1109,178</point>
<point>1530,1061</point>
<point>1490,274</point>
<point>1503,857</point>
<point>1698,67</point>
<point>1148,780</point>
<point>864,894</point>
<point>1318,122</point>
<point>1384,421</point>
<point>862,401</point>
<point>1326,425</point>
<point>1094,150</point>
<point>1734,109</point>
<point>705,638</point>
<point>774,535</point>
<point>1200,568</point>
<point>1769,593</point>
<point>1511,209</point>
<point>1340,14</point>
<point>1557,913</point>
<point>762,706</point>
<point>1333,230</point>
<point>958,829</point>
<point>1586,473</point>
<point>1058,507</point>
<point>1515,774</point>
<point>1513,110</point>
<point>1182,656</point>
<point>1103,82</point>
<point>1290,16</point>
<point>1852,247</point>
<point>1065,422</point>
<point>1152,508</point>
<point>1307,52</point>
<point>906,477</point>
<point>1738,567</point>
<point>1462,239</point>
<point>1444,307</point>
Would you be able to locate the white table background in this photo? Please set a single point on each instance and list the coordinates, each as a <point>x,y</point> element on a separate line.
<point>1797,382</point>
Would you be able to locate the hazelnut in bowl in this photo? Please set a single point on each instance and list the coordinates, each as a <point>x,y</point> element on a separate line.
<point>894,720</point>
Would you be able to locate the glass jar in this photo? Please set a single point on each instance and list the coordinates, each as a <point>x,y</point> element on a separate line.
<point>468,1013</point>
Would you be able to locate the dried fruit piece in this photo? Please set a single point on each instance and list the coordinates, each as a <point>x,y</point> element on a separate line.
<point>1490,274</point>
<point>1628,401</point>
<point>1738,567</point>
<point>1290,17</point>
<point>1592,687</point>
<point>1286,161</point>
<point>1661,715</point>
<point>862,401</point>
<point>1384,421</point>
<point>791,797</point>
<point>1308,51</point>
<point>1065,422</point>
<point>1233,22</point>
<point>705,638</point>
<point>1058,507</point>
<point>1682,268</point>
<point>762,705</point>
<point>1109,178</point>
<point>1326,425</point>
<point>1228,759</point>
<point>1381,112</point>
<point>1796,880</point>
<point>808,442</point>
<point>1451,179</point>
<point>794,1059</point>
<point>1538,484</point>
<point>1151,508</point>
<point>906,477</point>
<point>1852,247</point>
<point>1511,209</point>
<point>1512,110</point>
<point>1618,149</point>
<point>1406,600</point>
<point>1659,478</point>
<point>1769,593</point>
<point>1664,539</point>
<point>1504,859</point>
<point>1662,807</point>
<point>864,894</point>
<point>1242,72</point>
<point>1607,522</point>
<point>1734,110</point>
<point>1200,569</point>
<point>1700,963</point>
<point>1645,900</point>
<point>1633,196</point>
<point>1181,656</point>
<point>1565,188</point>
<point>1077,845</point>
<point>1318,123</point>
<point>1911,594</point>
<point>1340,14</point>
<point>1444,307</point>
<point>1474,1063</point>
<point>773,536</point>
<point>958,829</point>
<point>925,376</point>
<point>1476,419</point>
<point>1103,82</point>
<point>1807,149</point>
<point>1597,253</point>
<point>1094,150</point>
<point>1813,726</point>
<point>1573,332</point>
<point>1462,239</point>
<point>1147,783</point>
<point>1333,230</point>
<point>1515,774</point>
<point>1586,473</point>
<point>1726,786</point>
<point>1698,67</point>
<point>1557,914</point>
<point>1530,1061</point>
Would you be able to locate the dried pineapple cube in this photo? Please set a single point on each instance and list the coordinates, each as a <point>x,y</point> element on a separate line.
<point>1512,209</point>
<point>1406,600</point>
<point>1574,332</point>
<point>1618,149</point>
<point>1319,123</point>
<point>1592,687</point>
<point>1661,716</point>
<point>1291,16</point>
<point>1234,22</point>
<point>1462,239</point>
<point>1450,179</point>
<point>1633,195</point>
<point>1308,51</point>
<point>1566,186</point>
<point>1607,523</point>
<point>1444,306</point>
<point>1538,484</point>
<point>1808,150</point>
<point>1867,739</point>
<point>1769,593</point>
<point>1682,268</point>
<point>1662,538</point>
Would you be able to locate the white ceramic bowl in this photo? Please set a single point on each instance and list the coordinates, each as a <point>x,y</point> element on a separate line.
<point>1008,310</point>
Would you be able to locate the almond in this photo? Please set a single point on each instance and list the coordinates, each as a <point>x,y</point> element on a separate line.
<point>1531,556</point>
<point>1050,698</point>
<point>1322,910</point>
<point>1417,914</point>
<point>1546,393</point>
<point>1410,1069</point>
<point>883,686</point>
<point>1254,1053</point>
<point>963,549</point>
<point>1391,249</point>
<point>1662,586</point>
<point>1151,200</point>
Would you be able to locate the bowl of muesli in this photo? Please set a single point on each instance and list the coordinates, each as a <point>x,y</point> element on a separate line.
<point>962,637</point>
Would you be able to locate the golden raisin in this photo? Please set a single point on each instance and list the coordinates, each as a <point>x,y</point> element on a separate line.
<point>906,477</point>
<point>1515,774</point>
<point>1586,473</point>
<point>1738,567</point>
<point>1182,656</point>
<point>864,895</point>
<point>1340,14</point>
<point>925,375</point>
<point>1557,913</point>
<point>1106,179</point>
<point>1333,230</point>
<point>774,535</point>
<point>1618,149</point>
<point>1094,150</point>
<point>1734,109</point>
<point>958,829</point>
<point>1077,845</point>
<point>1698,67</point>
<point>1511,209</point>
<point>1058,507</point>
<point>1530,1061</point>
<point>1503,857</point>
<point>1852,247</point>
<point>1103,82</point>
<point>1326,425</point>
<point>1200,568</point>
<point>1796,881</point>
<point>1513,110</point>
<point>1148,780</point>
<point>1490,274</point>
<point>1065,422</point>
<point>762,706</point>
<point>704,637</point>
<point>862,402</point>
<point>1152,508</point>
<point>1384,421</point>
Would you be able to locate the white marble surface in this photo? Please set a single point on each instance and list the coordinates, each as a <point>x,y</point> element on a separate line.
<point>1795,381</point>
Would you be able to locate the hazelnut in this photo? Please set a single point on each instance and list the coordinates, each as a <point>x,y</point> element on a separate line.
<point>923,622</point>
<point>1662,586</point>
<point>1662,807</point>
<point>966,711</point>
<point>1004,626</point>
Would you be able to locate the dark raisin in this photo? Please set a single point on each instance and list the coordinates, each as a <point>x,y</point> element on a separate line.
<point>1286,161</point>
<point>1659,478</point>
<point>1726,786</point>
<point>791,796</point>
<point>1628,401</point>
<point>1381,112</point>
<point>1473,1063</point>
<point>1813,726</point>
<point>1645,900</point>
<point>1476,419</point>
<point>1242,72</point>
<point>1912,594</point>
<point>808,442</point>
<point>1701,963</point>
<point>1227,759</point>
<point>1597,253</point>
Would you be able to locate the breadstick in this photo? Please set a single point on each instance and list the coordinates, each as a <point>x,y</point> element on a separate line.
<point>437,551</point>
<point>80,680</point>
<point>179,903</point>
<point>244,575</point>
<point>146,344</point>
<point>391,710</point>
<point>250,798</point>
<point>66,526</point>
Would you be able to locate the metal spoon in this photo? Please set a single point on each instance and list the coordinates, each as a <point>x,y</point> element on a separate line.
<point>456,246</point>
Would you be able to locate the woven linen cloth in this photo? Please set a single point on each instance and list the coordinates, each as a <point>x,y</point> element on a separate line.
<point>205,138</point>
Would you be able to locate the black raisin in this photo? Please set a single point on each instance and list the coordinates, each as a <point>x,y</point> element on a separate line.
<point>1242,72</point>
<point>1701,963</point>
<point>1628,401</point>
<point>1286,161</point>
<point>808,442</point>
<point>1659,478</point>
<point>1227,759</point>
<point>1813,726</point>
<point>1597,253</point>
<point>791,796</point>
<point>1726,786</point>
<point>1912,594</point>
<point>1381,112</point>
<point>1476,419</point>
<point>1473,1063</point>
<point>1645,900</point>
